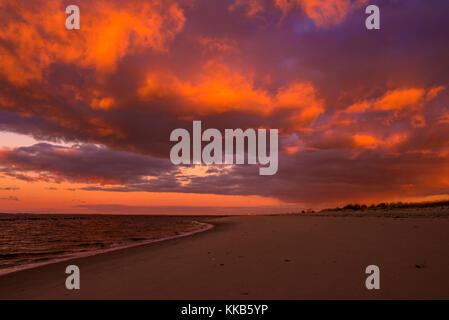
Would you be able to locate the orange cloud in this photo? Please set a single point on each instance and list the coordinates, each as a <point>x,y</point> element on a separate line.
<point>432,93</point>
<point>102,103</point>
<point>396,139</point>
<point>253,6</point>
<point>365,141</point>
<point>291,150</point>
<point>399,99</point>
<point>444,118</point>
<point>324,13</point>
<point>418,121</point>
<point>109,31</point>
<point>219,89</point>
<point>396,100</point>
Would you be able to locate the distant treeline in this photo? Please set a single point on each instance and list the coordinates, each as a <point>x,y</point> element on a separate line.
<point>392,205</point>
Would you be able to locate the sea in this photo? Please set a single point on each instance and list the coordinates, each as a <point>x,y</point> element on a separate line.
<point>30,240</point>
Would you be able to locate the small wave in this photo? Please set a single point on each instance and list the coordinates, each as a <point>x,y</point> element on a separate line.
<point>101,244</point>
<point>49,257</point>
<point>32,254</point>
<point>138,239</point>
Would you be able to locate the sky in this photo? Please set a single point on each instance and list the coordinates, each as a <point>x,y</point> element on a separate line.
<point>86,115</point>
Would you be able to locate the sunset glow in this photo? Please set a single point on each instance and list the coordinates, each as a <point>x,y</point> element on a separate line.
<point>86,115</point>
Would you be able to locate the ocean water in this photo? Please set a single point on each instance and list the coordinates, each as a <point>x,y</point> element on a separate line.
<point>30,240</point>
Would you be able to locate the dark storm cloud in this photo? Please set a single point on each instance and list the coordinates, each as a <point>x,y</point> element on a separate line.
<point>82,163</point>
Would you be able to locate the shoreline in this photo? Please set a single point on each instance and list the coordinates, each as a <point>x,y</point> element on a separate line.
<point>261,257</point>
<point>18,268</point>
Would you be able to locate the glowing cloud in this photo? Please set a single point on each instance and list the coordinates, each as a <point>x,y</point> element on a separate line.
<point>397,100</point>
<point>109,31</point>
<point>324,13</point>
<point>219,89</point>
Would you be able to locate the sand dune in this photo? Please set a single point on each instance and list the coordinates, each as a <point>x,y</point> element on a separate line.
<point>262,257</point>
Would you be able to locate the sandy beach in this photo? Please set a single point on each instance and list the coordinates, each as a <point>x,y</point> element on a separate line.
<point>262,257</point>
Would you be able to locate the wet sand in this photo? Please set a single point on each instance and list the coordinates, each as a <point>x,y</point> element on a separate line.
<point>262,257</point>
